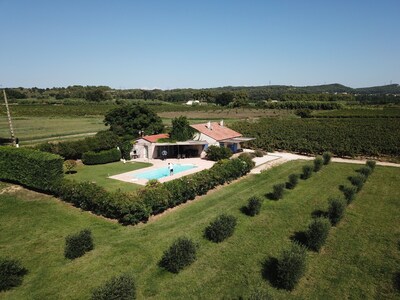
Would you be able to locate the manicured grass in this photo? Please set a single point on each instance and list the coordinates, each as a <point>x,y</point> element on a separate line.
<point>358,261</point>
<point>99,174</point>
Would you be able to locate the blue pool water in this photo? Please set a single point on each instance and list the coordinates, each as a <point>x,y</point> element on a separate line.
<point>163,172</point>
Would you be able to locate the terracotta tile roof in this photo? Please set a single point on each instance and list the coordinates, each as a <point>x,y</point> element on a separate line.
<point>217,132</point>
<point>153,138</point>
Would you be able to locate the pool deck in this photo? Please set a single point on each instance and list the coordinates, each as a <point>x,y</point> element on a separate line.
<point>201,164</point>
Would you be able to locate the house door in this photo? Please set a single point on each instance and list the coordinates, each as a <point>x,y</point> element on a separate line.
<point>146,152</point>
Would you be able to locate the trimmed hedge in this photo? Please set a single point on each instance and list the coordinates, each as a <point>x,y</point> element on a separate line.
<point>179,255</point>
<point>221,228</point>
<point>307,172</point>
<point>134,207</point>
<point>118,287</point>
<point>11,273</point>
<point>318,163</point>
<point>76,245</point>
<point>216,153</point>
<point>102,157</point>
<point>32,168</point>
<point>358,181</point>
<point>349,193</point>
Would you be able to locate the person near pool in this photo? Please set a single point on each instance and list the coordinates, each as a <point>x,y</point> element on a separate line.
<point>171,168</point>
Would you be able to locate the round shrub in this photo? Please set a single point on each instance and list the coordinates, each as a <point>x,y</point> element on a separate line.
<point>78,244</point>
<point>11,273</point>
<point>371,164</point>
<point>327,156</point>
<point>277,192</point>
<point>317,233</point>
<point>291,266</point>
<point>119,287</point>
<point>253,206</point>
<point>259,153</point>
<point>180,254</point>
<point>358,181</point>
<point>307,172</point>
<point>318,163</point>
<point>221,228</point>
<point>293,180</point>
<point>349,193</point>
<point>366,171</point>
<point>216,153</point>
<point>336,210</point>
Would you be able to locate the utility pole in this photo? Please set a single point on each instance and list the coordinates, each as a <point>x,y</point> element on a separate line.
<point>9,119</point>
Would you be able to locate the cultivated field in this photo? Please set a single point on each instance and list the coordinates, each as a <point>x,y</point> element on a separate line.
<point>358,261</point>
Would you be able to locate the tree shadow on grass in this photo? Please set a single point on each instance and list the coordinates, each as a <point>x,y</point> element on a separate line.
<point>396,281</point>
<point>244,210</point>
<point>318,213</point>
<point>269,271</point>
<point>71,172</point>
<point>271,196</point>
<point>299,237</point>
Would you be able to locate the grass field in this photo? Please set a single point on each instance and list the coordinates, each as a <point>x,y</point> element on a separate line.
<point>358,261</point>
<point>99,174</point>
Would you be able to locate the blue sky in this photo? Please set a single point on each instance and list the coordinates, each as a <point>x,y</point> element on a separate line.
<point>171,44</point>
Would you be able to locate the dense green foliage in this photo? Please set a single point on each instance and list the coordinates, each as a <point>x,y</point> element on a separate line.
<point>103,140</point>
<point>76,245</point>
<point>307,172</point>
<point>318,163</point>
<point>133,120</point>
<point>371,164</point>
<point>30,167</point>
<point>349,193</point>
<point>358,181</point>
<point>181,130</point>
<point>366,171</point>
<point>216,153</point>
<point>179,255</point>
<point>317,233</point>
<point>314,105</point>
<point>291,266</point>
<point>11,273</point>
<point>343,137</point>
<point>327,156</point>
<point>293,181</point>
<point>336,210</point>
<point>102,157</point>
<point>277,191</point>
<point>119,288</point>
<point>253,206</point>
<point>221,228</point>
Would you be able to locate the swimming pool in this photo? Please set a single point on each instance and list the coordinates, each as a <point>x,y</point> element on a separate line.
<point>163,172</point>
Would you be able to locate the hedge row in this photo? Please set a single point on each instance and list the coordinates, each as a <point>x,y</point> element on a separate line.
<point>32,168</point>
<point>102,157</point>
<point>132,208</point>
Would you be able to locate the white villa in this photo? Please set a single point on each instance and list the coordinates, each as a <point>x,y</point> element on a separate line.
<point>207,134</point>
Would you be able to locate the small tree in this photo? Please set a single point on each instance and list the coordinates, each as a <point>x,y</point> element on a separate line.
<point>180,254</point>
<point>307,172</point>
<point>293,180</point>
<point>358,181</point>
<point>221,228</point>
<point>327,156</point>
<point>366,171</point>
<point>336,210</point>
<point>118,287</point>
<point>349,193</point>
<point>291,266</point>
<point>181,130</point>
<point>253,206</point>
<point>318,163</point>
<point>277,192</point>
<point>11,273</point>
<point>371,164</point>
<point>69,165</point>
<point>78,244</point>
<point>216,153</point>
<point>317,233</point>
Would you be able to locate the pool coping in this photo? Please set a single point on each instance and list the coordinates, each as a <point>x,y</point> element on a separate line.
<point>201,164</point>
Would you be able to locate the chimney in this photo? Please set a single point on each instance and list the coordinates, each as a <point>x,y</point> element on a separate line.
<point>208,125</point>
<point>221,123</point>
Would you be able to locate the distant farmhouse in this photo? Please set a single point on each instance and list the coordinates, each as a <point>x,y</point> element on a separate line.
<point>207,134</point>
<point>193,102</point>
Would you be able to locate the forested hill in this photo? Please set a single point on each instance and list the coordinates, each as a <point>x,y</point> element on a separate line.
<point>252,93</point>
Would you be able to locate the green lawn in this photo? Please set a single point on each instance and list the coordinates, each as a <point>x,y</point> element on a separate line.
<point>99,174</point>
<point>358,261</point>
